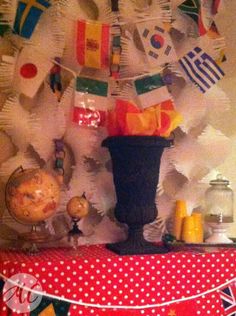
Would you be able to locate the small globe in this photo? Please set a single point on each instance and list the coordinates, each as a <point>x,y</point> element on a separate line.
<point>77,207</point>
<point>32,195</point>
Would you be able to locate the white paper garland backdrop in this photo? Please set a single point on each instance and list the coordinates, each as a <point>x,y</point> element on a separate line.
<point>190,60</point>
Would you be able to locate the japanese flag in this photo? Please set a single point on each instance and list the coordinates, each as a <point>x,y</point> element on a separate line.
<point>30,71</point>
<point>157,43</point>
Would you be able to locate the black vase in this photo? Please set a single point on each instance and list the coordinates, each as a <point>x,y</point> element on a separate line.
<point>136,164</point>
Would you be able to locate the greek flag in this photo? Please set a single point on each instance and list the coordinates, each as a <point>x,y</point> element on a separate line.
<point>201,69</point>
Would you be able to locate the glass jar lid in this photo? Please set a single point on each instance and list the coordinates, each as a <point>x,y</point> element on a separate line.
<point>219,180</point>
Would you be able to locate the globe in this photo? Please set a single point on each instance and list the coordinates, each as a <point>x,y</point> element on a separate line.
<point>77,207</point>
<point>32,195</point>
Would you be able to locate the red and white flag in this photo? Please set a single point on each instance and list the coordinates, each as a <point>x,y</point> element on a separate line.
<point>30,71</point>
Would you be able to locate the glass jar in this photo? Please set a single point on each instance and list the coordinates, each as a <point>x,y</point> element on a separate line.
<point>219,201</point>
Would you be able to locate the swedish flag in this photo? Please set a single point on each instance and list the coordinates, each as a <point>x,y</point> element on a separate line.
<point>27,16</point>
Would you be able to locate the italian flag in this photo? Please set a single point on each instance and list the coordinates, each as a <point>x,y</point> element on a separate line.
<point>91,102</point>
<point>151,90</point>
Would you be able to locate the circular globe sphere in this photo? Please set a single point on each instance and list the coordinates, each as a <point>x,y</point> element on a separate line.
<point>77,207</point>
<point>32,195</point>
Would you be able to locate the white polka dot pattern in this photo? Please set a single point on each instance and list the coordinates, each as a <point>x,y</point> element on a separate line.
<point>96,275</point>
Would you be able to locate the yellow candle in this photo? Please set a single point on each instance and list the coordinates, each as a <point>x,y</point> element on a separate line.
<point>188,233</point>
<point>198,227</point>
<point>180,213</point>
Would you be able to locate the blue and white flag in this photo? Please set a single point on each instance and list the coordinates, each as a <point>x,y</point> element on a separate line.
<point>201,69</point>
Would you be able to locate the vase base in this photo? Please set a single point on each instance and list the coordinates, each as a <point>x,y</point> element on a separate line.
<point>125,248</point>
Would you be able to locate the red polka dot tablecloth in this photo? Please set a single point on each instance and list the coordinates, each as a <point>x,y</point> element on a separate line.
<point>97,277</point>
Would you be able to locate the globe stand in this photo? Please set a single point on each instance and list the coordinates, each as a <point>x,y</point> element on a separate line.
<point>33,238</point>
<point>75,233</point>
<point>26,203</point>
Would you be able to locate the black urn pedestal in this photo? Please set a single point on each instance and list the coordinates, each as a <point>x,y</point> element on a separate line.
<point>136,165</point>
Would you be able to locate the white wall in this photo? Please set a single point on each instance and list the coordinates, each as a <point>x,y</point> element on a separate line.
<point>226,23</point>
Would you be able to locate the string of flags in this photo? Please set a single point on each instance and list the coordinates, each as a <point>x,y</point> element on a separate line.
<point>54,305</point>
<point>99,47</point>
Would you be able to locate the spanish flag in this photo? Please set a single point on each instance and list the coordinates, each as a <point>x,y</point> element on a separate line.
<point>93,44</point>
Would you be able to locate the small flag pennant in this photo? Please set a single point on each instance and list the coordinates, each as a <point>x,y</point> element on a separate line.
<point>91,102</point>
<point>51,307</point>
<point>213,33</point>
<point>151,90</point>
<point>201,69</point>
<point>181,309</point>
<point>228,297</point>
<point>27,16</point>
<point>157,43</point>
<point>202,12</point>
<point>31,69</point>
<point>191,8</point>
<point>93,44</point>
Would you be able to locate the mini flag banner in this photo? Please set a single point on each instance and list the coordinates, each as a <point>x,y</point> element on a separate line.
<point>213,33</point>
<point>200,11</point>
<point>201,69</point>
<point>31,69</point>
<point>91,102</point>
<point>228,297</point>
<point>151,90</point>
<point>157,43</point>
<point>93,44</point>
<point>27,16</point>
<point>182,308</point>
<point>191,8</point>
<point>51,307</point>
